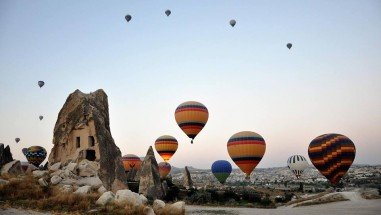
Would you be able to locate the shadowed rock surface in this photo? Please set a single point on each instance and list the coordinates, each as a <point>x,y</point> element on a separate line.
<point>187,181</point>
<point>150,185</point>
<point>5,155</point>
<point>82,131</point>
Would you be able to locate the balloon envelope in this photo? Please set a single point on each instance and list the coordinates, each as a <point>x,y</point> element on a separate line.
<point>289,45</point>
<point>246,149</point>
<point>17,139</point>
<point>40,117</point>
<point>166,146</point>
<point>41,83</point>
<point>35,155</point>
<point>164,169</point>
<point>128,17</point>
<point>221,169</point>
<point>167,12</point>
<point>131,161</point>
<point>297,164</point>
<point>191,117</point>
<point>232,22</point>
<point>332,155</point>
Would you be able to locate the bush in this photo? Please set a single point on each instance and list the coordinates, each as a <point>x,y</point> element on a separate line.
<point>251,196</point>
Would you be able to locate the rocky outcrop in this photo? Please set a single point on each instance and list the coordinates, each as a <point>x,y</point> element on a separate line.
<point>82,131</point>
<point>5,155</point>
<point>187,180</point>
<point>150,184</point>
<point>105,198</point>
<point>12,168</point>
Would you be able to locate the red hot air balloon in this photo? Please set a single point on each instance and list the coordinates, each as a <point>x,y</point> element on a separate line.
<point>164,169</point>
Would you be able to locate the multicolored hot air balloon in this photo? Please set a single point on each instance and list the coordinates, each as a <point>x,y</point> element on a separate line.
<point>35,155</point>
<point>191,117</point>
<point>131,161</point>
<point>332,155</point>
<point>166,146</point>
<point>246,149</point>
<point>17,139</point>
<point>164,169</point>
<point>221,169</point>
<point>297,164</point>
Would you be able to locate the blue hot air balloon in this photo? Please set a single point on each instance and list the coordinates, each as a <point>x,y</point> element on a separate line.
<point>221,169</point>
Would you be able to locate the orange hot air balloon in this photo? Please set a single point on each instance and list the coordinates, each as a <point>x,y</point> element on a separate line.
<point>332,155</point>
<point>131,161</point>
<point>166,146</point>
<point>191,117</point>
<point>164,169</point>
<point>246,149</point>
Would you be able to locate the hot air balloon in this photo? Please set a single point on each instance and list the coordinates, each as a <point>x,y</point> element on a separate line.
<point>35,155</point>
<point>191,117</point>
<point>167,12</point>
<point>131,161</point>
<point>289,45</point>
<point>41,83</point>
<point>41,117</point>
<point>221,169</point>
<point>128,17</point>
<point>232,22</point>
<point>332,155</point>
<point>166,146</point>
<point>17,139</point>
<point>164,169</point>
<point>297,164</point>
<point>246,149</point>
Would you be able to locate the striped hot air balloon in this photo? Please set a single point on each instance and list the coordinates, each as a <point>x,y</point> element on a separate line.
<point>221,169</point>
<point>164,169</point>
<point>332,155</point>
<point>131,161</point>
<point>246,149</point>
<point>35,155</point>
<point>297,164</point>
<point>166,146</point>
<point>191,117</point>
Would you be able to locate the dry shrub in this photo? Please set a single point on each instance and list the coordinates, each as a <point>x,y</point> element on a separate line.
<point>22,189</point>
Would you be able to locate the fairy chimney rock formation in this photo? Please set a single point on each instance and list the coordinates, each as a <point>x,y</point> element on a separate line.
<point>187,181</point>
<point>5,155</point>
<point>150,185</point>
<point>82,131</point>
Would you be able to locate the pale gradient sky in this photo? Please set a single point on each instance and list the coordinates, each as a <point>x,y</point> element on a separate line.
<point>328,83</point>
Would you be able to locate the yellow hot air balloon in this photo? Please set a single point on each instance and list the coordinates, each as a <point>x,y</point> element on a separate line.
<point>191,117</point>
<point>166,146</point>
<point>246,149</point>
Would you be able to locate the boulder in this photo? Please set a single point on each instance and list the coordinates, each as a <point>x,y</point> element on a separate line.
<point>123,196</point>
<point>42,182</point>
<point>55,167</point>
<point>5,155</point>
<point>58,173</point>
<point>105,198</point>
<point>187,180</point>
<point>143,199</point>
<point>177,208</point>
<point>30,168</point>
<point>148,211</point>
<point>67,189</point>
<point>68,174</point>
<point>87,168</point>
<point>102,190</point>
<point>3,182</point>
<point>83,190</point>
<point>82,131</point>
<point>71,167</point>
<point>40,173</point>
<point>68,181</point>
<point>55,180</point>
<point>94,182</point>
<point>12,168</point>
<point>150,185</point>
<point>158,206</point>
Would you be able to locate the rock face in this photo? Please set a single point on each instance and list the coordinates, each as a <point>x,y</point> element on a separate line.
<point>5,155</point>
<point>150,185</point>
<point>187,181</point>
<point>12,168</point>
<point>82,131</point>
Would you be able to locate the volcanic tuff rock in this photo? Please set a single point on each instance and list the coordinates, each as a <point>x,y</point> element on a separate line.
<point>5,155</point>
<point>82,131</point>
<point>150,185</point>
<point>187,181</point>
<point>12,168</point>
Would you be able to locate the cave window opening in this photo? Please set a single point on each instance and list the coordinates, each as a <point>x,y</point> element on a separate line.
<point>91,141</point>
<point>90,155</point>
<point>78,142</point>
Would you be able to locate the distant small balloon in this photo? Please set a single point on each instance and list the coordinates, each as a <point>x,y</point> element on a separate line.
<point>17,139</point>
<point>289,45</point>
<point>167,12</point>
<point>41,83</point>
<point>232,22</point>
<point>128,17</point>
<point>41,117</point>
